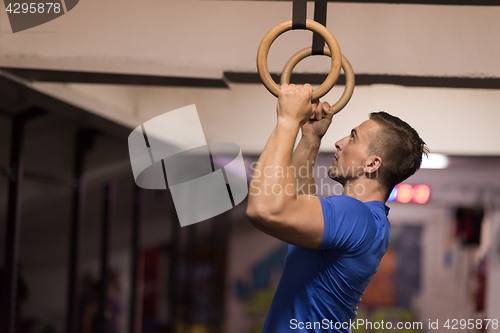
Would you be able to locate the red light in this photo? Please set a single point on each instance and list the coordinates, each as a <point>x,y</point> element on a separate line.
<point>421,194</point>
<point>405,193</point>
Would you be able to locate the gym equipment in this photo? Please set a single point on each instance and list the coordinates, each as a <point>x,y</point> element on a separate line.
<point>333,50</point>
<point>346,66</point>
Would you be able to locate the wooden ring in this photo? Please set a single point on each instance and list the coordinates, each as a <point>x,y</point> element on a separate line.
<point>346,66</point>
<point>285,26</point>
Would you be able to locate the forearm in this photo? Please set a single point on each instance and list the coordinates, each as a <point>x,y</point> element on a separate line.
<point>273,184</point>
<point>303,160</point>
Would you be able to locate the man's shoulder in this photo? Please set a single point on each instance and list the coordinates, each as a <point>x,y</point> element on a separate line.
<point>347,223</point>
<point>345,202</point>
<point>347,212</point>
<point>341,197</point>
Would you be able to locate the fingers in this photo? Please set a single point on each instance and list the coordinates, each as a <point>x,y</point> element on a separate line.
<point>322,109</point>
<point>314,106</point>
<point>306,88</point>
<point>329,112</point>
<point>285,87</point>
<point>325,106</point>
<point>319,110</point>
<point>296,98</point>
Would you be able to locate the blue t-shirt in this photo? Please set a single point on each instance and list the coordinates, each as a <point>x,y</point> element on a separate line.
<point>320,288</point>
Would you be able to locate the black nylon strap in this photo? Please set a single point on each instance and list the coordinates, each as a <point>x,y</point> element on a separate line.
<point>299,14</point>
<point>320,17</point>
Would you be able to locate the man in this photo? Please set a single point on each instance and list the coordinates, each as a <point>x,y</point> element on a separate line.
<point>336,243</point>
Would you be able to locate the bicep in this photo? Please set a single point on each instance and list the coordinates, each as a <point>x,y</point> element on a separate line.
<point>300,223</point>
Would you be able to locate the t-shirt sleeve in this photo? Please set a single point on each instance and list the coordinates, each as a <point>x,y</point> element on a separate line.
<point>348,224</point>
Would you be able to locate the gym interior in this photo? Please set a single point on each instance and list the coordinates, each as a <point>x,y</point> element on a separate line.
<point>82,243</point>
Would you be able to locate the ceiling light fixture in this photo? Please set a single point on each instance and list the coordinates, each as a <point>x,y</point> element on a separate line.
<point>434,161</point>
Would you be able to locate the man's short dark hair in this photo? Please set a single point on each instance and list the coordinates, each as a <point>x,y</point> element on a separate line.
<point>399,146</point>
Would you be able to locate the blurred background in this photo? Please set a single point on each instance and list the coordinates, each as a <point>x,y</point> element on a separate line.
<point>83,249</point>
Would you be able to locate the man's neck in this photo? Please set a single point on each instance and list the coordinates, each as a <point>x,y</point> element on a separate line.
<point>364,190</point>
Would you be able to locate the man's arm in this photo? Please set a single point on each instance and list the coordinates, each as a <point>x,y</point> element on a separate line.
<point>304,157</point>
<point>273,203</point>
<point>303,160</point>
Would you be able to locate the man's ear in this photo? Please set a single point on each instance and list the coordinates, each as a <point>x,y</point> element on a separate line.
<point>372,168</point>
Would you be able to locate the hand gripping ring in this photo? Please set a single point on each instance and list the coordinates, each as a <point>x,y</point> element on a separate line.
<point>346,66</point>
<point>285,26</point>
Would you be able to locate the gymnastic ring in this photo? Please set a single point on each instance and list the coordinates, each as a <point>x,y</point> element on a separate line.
<point>346,66</point>
<point>285,26</point>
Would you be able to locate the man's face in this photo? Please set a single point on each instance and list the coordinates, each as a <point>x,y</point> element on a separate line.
<point>352,153</point>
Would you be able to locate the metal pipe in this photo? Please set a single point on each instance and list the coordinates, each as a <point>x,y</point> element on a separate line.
<point>134,265</point>
<point>172,283</point>
<point>9,303</point>
<point>108,215</point>
<point>84,141</point>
